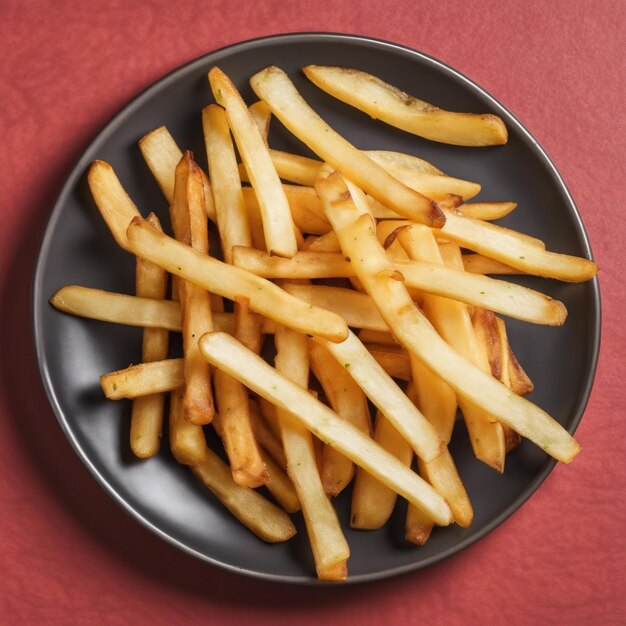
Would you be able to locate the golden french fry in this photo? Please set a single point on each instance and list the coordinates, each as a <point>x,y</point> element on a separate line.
<point>324,243</point>
<point>262,116</point>
<point>146,421</point>
<point>187,440</point>
<point>418,526</point>
<point>248,325</point>
<point>347,400</point>
<point>230,206</point>
<point>373,502</point>
<point>277,221</point>
<point>383,337</point>
<point>328,543</point>
<point>280,485</point>
<point>162,155</point>
<point>143,379</point>
<point>274,86</point>
<point>292,167</point>
<point>395,107</point>
<point>479,264</point>
<point>263,518</point>
<point>392,358</point>
<point>358,240</point>
<point>487,210</point>
<point>227,354</point>
<point>231,282</point>
<point>265,436</point>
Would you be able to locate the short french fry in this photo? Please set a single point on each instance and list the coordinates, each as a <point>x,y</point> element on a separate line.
<point>143,379</point>
<point>230,206</point>
<point>324,243</point>
<point>146,421</point>
<point>262,116</point>
<point>277,221</point>
<point>347,400</point>
<point>487,210</point>
<point>187,440</point>
<point>389,104</point>
<point>274,86</point>
<point>263,518</point>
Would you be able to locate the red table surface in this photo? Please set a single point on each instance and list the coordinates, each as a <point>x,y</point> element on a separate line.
<point>68,554</point>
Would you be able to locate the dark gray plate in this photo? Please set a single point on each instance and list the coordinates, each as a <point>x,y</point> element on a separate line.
<point>78,249</point>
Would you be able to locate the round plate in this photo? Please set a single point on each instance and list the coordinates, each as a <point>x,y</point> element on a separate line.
<point>78,249</point>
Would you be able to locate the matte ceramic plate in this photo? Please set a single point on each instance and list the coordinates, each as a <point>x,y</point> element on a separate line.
<point>78,249</point>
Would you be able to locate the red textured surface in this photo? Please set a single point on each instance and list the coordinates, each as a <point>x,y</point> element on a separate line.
<point>68,554</point>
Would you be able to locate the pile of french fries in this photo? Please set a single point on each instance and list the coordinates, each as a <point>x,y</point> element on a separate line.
<point>369,270</point>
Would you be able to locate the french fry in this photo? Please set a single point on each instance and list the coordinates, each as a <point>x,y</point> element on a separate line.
<point>162,155</point>
<point>227,354</point>
<point>358,240</point>
<point>274,86</point>
<point>277,221</point>
<point>190,227</point>
<point>479,264</point>
<point>501,296</point>
<point>187,441</point>
<point>248,325</point>
<point>368,336</point>
<point>392,358</point>
<point>230,206</point>
<point>143,379</point>
<point>265,436</point>
<point>291,167</point>
<point>280,485</point>
<point>487,210</point>
<point>262,116</point>
<point>328,543</point>
<point>263,518</point>
<point>397,108</point>
<point>146,421</point>
<point>373,502</point>
<point>231,282</point>
<point>347,400</point>
<point>324,243</point>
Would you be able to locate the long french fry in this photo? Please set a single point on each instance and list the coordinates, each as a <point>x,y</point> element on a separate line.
<point>231,282</point>
<point>385,102</point>
<point>358,240</point>
<point>227,354</point>
<point>146,420</point>
<point>230,207</point>
<point>274,86</point>
<point>263,518</point>
<point>277,221</point>
<point>328,544</point>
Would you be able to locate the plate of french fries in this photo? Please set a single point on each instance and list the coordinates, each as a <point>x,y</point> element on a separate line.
<point>317,308</point>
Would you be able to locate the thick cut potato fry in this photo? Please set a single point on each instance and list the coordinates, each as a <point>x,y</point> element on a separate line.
<point>229,355</point>
<point>146,421</point>
<point>230,206</point>
<point>479,264</point>
<point>497,295</point>
<point>162,155</point>
<point>190,227</point>
<point>187,441</point>
<point>487,210</point>
<point>358,240</point>
<point>262,116</point>
<point>347,400</point>
<point>395,107</point>
<point>277,221</point>
<point>274,86</point>
<point>263,518</point>
<point>328,543</point>
<point>143,379</point>
<point>373,502</point>
<point>246,464</point>
<point>231,282</point>
<point>392,358</point>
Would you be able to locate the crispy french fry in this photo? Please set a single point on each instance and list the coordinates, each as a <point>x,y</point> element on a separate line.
<point>479,264</point>
<point>373,502</point>
<point>229,355</point>
<point>280,485</point>
<point>274,86</point>
<point>418,526</point>
<point>143,379</point>
<point>146,421</point>
<point>230,206</point>
<point>263,518</point>
<point>358,240</point>
<point>262,116</point>
<point>395,107</point>
<point>487,210</point>
<point>265,436</point>
<point>187,440</point>
<point>231,282</point>
<point>162,155</point>
<point>291,167</point>
<point>392,358</point>
<point>277,221</point>
<point>190,227</point>
<point>347,400</point>
<point>328,543</point>
<point>248,325</point>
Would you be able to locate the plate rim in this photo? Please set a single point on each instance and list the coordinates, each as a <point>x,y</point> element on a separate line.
<point>77,170</point>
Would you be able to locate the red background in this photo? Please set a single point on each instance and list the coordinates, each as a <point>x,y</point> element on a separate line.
<point>68,554</point>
